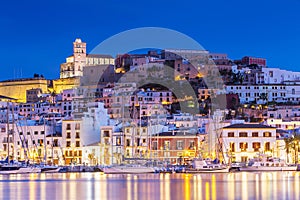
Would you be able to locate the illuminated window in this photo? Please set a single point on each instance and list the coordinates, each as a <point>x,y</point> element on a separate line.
<point>192,144</point>
<point>232,147</point>
<point>167,145</point>
<point>256,146</point>
<point>118,141</point>
<point>243,146</point>
<point>267,134</point>
<point>267,146</point>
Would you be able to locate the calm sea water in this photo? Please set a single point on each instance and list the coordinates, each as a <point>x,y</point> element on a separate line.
<point>240,185</point>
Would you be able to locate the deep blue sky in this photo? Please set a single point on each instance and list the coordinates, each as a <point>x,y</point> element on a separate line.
<point>36,36</point>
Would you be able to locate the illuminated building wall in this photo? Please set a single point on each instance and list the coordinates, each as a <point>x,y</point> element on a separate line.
<point>17,88</point>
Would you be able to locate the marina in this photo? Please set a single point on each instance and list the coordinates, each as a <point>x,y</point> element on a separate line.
<point>258,185</point>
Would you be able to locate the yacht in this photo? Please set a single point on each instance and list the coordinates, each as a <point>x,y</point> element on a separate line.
<point>268,164</point>
<point>16,169</point>
<point>128,169</point>
<point>206,166</point>
<point>50,169</point>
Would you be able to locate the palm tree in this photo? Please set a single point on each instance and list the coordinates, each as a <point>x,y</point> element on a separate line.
<point>292,143</point>
<point>288,145</point>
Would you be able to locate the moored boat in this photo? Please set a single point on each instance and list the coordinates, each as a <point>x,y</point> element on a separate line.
<point>268,164</point>
<point>15,169</point>
<point>206,166</point>
<point>128,169</point>
<point>50,169</point>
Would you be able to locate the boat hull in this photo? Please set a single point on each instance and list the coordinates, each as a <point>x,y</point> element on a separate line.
<point>128,170</point>
<point>262,168</point>
<point>221,170</point>
<point>22,170</point>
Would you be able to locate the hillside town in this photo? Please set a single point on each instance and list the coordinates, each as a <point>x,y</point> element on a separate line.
<point>171,105</point>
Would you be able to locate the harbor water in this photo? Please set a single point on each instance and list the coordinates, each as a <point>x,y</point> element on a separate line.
<point>97,185</point>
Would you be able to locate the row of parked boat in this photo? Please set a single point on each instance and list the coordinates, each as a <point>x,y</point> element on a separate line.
<point>205,166</point>
<point>197,166</point>
<point>22,169</point>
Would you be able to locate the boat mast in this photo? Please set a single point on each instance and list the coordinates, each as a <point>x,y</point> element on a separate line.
<point>13,131</point>
<point>45,143</point>
<point>7,127</point>
<point>52,151</point>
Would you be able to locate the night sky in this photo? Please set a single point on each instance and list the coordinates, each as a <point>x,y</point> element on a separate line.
<point>36,36</point>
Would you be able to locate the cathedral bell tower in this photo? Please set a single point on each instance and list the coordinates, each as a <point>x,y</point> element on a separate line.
<point>79,53</point>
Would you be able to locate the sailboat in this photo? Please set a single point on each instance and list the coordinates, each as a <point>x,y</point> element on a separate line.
<point>200,165</point>
<point>12,167</point>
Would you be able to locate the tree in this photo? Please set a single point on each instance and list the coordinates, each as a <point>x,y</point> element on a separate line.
<point>292,143</point>
<point>288,145</point>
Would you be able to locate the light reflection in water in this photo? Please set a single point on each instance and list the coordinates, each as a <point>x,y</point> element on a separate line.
<point>135,187</point>
<point>129,187</point>
<point>213,187</point>
<point>187,190</point>
<point>207,192</point>
<point>231,186</point>
<point>167,187</point>
<point>296,185</point>
<point>244,185</point>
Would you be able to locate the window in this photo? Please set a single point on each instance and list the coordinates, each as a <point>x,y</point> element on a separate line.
<point>192,144</point>
<point>3,129</point>
<point>254,134</point>
<point>118,141</point>
<point>267,146</point>
<point>36,132</point>
<point>128,142</point>
<point>42,132</point>
<point>68,127</point>
<point>154,145</point>
<point>243,146</point>
<point>267,134</point>
<point>256,146</point>
<point>105,133</point>
<point>232,146</point>
<point>179,145</point>
<point>68,144</point>
<point>167,145</point>
<point>77,135</point>
<point>243,134</point>
<point>68,135</point>
<point>230,134</point>
<point>77,126</point>
<point>77,143</point>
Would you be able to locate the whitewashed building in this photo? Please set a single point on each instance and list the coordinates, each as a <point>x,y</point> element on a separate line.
<point>242,142</point>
